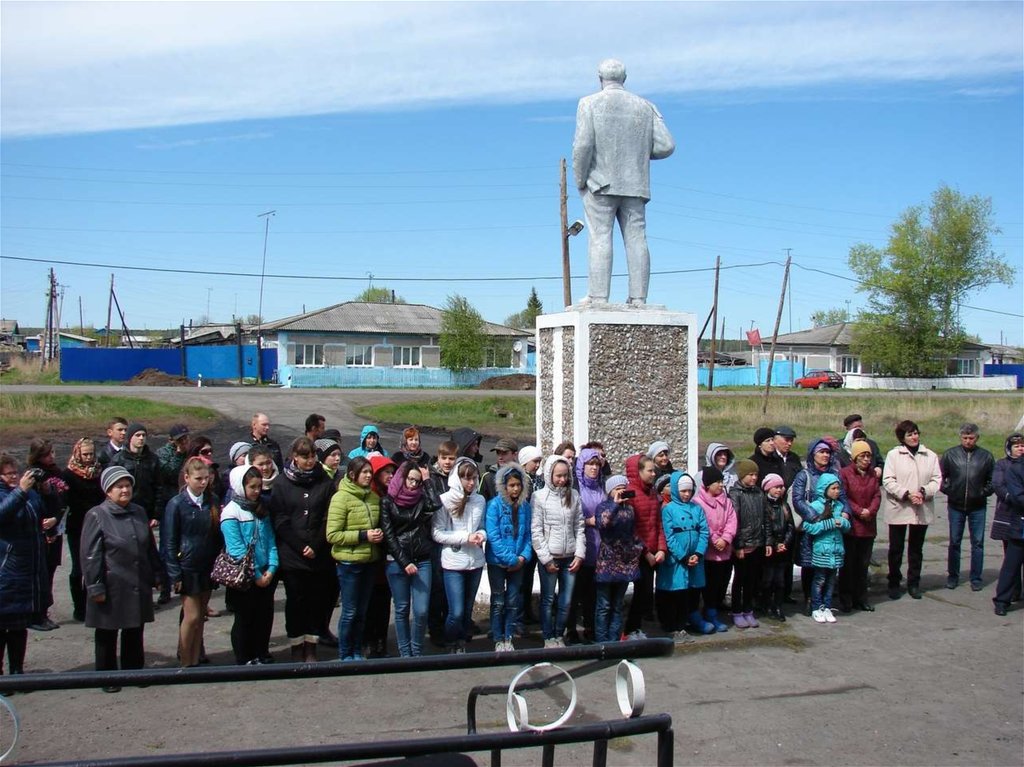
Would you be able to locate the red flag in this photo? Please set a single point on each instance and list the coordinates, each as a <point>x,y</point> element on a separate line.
<point>754,337</point>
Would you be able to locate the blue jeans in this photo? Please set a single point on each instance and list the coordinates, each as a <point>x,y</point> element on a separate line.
<point>608,611</point>
<point>553,629</point>
<point>975,523</point>
<point>505,600</point>
<point>355,581</point>
<point>460,587</point>
<point>409,590</point>
<point>822,586</point>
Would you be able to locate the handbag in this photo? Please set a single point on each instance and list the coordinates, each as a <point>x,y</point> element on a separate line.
<point>235,573</point>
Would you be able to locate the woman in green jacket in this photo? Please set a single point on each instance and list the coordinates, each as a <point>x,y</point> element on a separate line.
<point>355,536</point>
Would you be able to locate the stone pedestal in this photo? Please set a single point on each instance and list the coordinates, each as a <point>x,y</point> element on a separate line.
<point>625,376</point>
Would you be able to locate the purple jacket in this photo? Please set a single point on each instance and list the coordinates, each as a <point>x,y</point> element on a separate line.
<point>591,496</point>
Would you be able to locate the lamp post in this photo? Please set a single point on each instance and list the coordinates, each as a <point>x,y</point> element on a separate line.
<point>259,317</point>
<point>567,232</point>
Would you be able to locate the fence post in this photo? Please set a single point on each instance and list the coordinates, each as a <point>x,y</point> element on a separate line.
<point>184,356</point>
<point>241,352</point>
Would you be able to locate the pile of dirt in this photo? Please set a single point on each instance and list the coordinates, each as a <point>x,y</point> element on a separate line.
<point>154,377</point>
<point>517,382</point>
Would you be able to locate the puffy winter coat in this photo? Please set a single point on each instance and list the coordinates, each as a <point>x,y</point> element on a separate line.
<point>452,531</point>
<point>145,470</point>
<point>82,495</point>
<point>298,511</point>
<point>806,480</point>
<point>729,477</point>
<point>557,527</point>
<point>905,472</point>
<point>190,535</point>
<point>721,519</point>
<point>686,534</point>
<point>1008,481</point>
<point>508,538</point>
<point>749,503</point>
<point>826,535</point>
<point>119,561</point>
<point>361,451</point>
<point>647,506</point>
<point>778,528</point>
<point>862,492</point>
<point>23,569</point>
<point>408,530</point>
<point>967,477</point>
<point>353,511</point>
<point>239,526</point>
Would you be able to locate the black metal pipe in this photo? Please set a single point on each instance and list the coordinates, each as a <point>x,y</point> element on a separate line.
<point>585,733</point>
<point>77,680</point>
<point>600,753</point>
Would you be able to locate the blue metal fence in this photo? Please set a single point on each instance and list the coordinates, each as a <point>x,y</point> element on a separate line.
<point>783,374</point>
<point>386,378</point>
<point>212,362</point>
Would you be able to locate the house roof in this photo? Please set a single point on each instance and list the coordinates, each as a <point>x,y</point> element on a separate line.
<point>8,326</point>
<point>840,334</point>
<point>360,317</point>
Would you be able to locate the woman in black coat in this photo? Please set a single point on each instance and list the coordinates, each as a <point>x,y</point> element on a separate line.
<point>298,511</point>
<point>22,562</point>
<point>121,567</point>
<point>83,480</point>
<point>53,489</point>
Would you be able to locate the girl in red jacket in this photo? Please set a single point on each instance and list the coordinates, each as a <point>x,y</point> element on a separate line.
<point>641,472</point>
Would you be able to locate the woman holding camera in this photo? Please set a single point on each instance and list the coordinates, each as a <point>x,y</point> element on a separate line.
<point>22,561</point>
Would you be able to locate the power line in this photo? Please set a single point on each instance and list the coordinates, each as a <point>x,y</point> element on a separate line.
<point>389,230</point>
<point>403,172</point>
<point>314,204</point>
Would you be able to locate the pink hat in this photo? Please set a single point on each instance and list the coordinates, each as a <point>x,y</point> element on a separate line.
<point>772,480</point>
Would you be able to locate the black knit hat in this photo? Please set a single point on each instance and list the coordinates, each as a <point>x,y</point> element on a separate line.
<point>710,475</point>
<point>762,434</point>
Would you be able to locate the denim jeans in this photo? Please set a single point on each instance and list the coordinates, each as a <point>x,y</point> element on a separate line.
<point>460,587</point>
<point>608,611</point>
<point>505,600</point>
<point>410,590</point>
<point>975,523</point>
<point>553,628</point>
<point>355,581</point>
<point>822,586</point>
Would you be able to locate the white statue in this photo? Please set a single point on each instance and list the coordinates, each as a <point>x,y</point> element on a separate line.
<point>617,135</point>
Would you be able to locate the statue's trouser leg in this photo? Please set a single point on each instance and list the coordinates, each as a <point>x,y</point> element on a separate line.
<point>599,210</point>
<point>633,223</point>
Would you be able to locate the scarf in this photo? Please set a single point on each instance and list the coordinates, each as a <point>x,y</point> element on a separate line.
<point>76,466</point>
<point>403,496</point>
<point>300,476</point>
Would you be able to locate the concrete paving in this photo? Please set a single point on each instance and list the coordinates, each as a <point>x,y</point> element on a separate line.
<point>934,681</point>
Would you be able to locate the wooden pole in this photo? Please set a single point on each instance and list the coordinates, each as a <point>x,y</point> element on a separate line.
<point>714,326</point>
<point>775,335</point>
<point>564,200</point>
<point>110,307</point>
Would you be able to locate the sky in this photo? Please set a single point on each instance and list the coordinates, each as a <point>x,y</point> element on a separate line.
<point>417,147</point>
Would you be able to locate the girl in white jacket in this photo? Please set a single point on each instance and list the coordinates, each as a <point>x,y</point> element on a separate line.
<point>459,528</point>
<point>560,542</point>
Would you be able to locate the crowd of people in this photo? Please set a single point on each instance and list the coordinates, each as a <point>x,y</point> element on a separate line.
<point>412,535</point>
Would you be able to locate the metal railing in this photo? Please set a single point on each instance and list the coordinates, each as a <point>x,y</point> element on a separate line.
<point>597,733</point>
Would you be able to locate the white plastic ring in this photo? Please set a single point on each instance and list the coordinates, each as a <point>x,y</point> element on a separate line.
<point>630,689</point>
<point>517,712</point>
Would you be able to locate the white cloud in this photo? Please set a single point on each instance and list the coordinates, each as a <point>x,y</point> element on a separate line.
<point>204,140</point>
<point>78,67</point>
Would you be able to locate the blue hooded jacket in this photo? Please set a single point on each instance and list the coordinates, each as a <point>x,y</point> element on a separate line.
<point>826,535</point>
<point>686,533</point>
<point>507,542</point>
<point>361,451</point>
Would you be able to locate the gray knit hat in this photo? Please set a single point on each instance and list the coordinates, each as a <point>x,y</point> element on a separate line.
<point>657,447</point>
<point>613,482</point>
<point>238,450</point>
<point>112,475</point>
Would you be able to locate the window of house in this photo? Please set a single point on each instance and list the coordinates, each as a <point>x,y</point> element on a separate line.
<point>359,355</point>
<point>849,364</point>
<point>498,358</point>
<point>309,354</point>
<point>963,367</point>
<point>407,357</point>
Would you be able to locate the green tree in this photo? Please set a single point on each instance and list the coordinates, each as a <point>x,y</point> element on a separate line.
<point>933,261</point>
<point>527,318</point>
<point>462,335</point>
<point>381,295</point>
<point>823,317</point>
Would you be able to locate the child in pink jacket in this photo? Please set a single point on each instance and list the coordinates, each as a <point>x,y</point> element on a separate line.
<point>721,518</point>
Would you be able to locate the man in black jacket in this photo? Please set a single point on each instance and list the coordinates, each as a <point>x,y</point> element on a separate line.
<point>967,484</point>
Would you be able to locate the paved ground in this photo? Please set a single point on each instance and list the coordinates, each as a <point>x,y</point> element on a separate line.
<point>934,681</point>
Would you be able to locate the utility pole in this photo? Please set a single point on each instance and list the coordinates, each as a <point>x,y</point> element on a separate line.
<point>775,335</point>
<point>790,289</point>
<point>110,307</point>
<point>81,319</point>
<point>263,272</point>
<point>564,209</point>
<point>714,325</point>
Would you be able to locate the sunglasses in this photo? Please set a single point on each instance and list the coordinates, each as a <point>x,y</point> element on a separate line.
<point>206,451</point>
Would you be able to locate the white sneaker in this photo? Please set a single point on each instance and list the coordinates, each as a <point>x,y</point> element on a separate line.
<point>499,647</point>
<point>819,616</point>
<point>635,635</point>
<point>559,642</point>
<point>549,643</point>
<point>681,637</point>
<point>509,647</point>
<point>829,617</point>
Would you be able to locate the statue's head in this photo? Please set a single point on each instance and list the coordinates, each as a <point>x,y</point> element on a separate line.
<point>611,71</point>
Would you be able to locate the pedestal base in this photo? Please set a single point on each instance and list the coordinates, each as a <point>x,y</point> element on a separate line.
<point>622,375</point>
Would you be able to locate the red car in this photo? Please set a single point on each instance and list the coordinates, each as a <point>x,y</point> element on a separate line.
<point>816,379</point>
